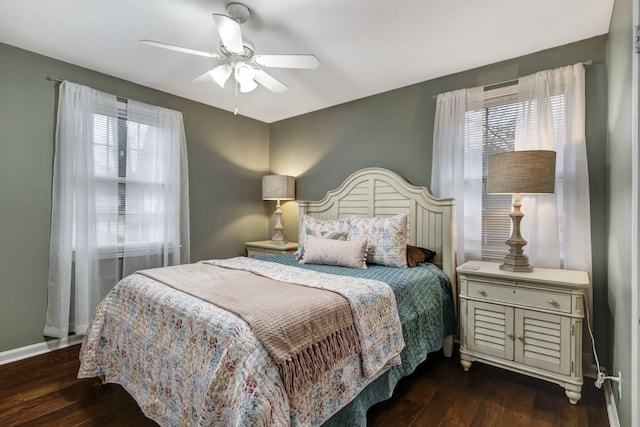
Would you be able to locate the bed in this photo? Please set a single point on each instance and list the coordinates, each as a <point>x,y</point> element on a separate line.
<point>187,361</point>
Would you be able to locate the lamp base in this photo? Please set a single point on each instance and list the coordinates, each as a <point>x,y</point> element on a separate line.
<point>278,238</point>
<point>516,263</point>
<point>516,260</point>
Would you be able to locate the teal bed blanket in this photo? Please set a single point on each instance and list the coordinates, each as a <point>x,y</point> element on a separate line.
<point>427,313</point>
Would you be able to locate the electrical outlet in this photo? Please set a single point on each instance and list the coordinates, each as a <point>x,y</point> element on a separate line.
<point>618,380</point>
<point>619,385</point>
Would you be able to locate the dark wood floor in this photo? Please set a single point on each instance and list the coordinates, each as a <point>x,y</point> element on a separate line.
<point>440,393</point>
<point>44,390</point>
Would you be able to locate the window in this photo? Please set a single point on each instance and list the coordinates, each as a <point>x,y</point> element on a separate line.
<point>120,199</point>
<point>130,174</point>
<point>492,130</point>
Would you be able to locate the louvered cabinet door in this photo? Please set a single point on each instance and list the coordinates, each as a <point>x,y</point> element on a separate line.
<point>490,329</point>
<point>543,340</point>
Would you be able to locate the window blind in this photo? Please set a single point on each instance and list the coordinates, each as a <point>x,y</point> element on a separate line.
<point>130,176</point>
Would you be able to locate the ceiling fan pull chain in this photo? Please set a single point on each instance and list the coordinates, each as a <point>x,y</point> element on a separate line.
<point>235,111</point>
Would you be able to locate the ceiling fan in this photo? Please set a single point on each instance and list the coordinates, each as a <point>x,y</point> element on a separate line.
<point>239,56</point>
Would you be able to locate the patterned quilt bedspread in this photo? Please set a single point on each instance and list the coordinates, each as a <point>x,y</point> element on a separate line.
<point>188,362</point>
<point>427,313</point>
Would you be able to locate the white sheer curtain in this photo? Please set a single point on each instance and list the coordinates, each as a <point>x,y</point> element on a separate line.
<point>157,189</point>
<point>541,97</point>
<point>120,193</point>
<point>561,89</point>
<point>448,174</point>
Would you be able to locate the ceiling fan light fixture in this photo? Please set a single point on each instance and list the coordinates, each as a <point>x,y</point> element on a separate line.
<point>248,86</point>
<point>244,73</point>
<point>221,74</point>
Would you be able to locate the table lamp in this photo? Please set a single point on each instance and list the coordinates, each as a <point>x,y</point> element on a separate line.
<point>278,187</point>
<point>520,172</point>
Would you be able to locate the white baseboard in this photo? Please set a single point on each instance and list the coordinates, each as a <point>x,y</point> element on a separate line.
<point>20,353</point>
<point>612,411</point>
<point>590,370</point>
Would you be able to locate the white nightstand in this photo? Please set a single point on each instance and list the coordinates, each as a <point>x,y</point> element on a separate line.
<point>529,323</point>
<point>265,247</point>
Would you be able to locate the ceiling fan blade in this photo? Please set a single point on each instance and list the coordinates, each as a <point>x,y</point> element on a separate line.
<point>269,82</point>
<point>287,61</point>
<point>230,33</point>
<point>182,49</point>
<point>204,78</point>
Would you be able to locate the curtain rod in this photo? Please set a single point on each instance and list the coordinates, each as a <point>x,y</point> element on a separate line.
<point>55,80</point>
<point>119,98</point>
<point>52,79</point>
<point>513,81</point>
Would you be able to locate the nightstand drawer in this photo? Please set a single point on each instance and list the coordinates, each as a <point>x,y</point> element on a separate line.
<point>265,247</point>
<point>514,295</point>
<point>256,252</point>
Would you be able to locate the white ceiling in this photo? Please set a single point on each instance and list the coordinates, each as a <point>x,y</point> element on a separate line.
<point>365,47</point>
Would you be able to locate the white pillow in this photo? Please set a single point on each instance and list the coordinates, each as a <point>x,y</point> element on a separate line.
<point>352,253</point>
<point>328,228</point>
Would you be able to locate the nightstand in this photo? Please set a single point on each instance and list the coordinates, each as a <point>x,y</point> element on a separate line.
<point>529,323</point>
<point>265,247</point>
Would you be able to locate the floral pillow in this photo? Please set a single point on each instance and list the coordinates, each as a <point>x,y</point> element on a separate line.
<point>352,253</point>
<point>386,238</point>
<point>335,229</point>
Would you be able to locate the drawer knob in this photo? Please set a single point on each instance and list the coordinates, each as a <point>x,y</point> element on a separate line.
<point>482,292</point>
<point>520,337</point>
<point>510,335</point>
<point>552,301</point>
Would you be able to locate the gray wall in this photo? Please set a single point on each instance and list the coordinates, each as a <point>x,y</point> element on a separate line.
<point>619,201</point>
<point>227,156</point>
<point>395,130</point>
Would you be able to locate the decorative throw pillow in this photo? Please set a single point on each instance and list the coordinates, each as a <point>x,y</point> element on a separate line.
<point>331,235</point>
<point>329,228</point>
<point>352,253</point>
<point>386,239</point>
<point>417,255</point>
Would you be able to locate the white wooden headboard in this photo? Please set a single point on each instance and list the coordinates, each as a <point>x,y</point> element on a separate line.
<point>378,192</point>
